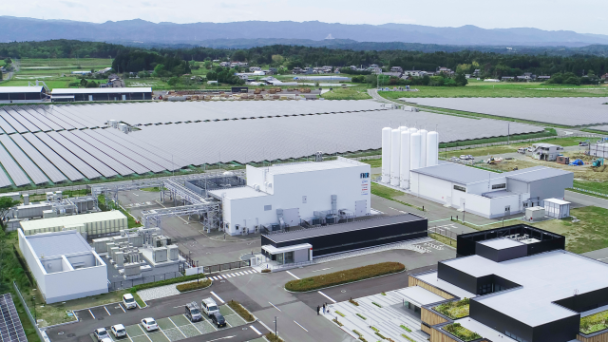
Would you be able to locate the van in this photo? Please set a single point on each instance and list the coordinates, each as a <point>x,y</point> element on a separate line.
<point>129,301</point>
<point>521,150</point>
<point>209,306</point>
<point>193,313</point>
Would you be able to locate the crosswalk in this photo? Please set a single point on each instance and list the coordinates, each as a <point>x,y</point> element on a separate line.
<point>232,275</point>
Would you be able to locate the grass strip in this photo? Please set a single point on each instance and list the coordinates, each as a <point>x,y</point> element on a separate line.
<point>376,304</point>
<point>343,277</point>
<point>195,285</point>
<point>407,337</point>
<point>374,329</point>
<point>339,313</point>
<point>273,338</point>
<point>390,194</point>
<point>239,309</point>
<point>380,335</point>
<point>165,282</point>
<point>405,328</point>
<point>361,316</point>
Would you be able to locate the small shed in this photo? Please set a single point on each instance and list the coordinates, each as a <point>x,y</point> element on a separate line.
<point>535,213</point>
<point>557,208</point>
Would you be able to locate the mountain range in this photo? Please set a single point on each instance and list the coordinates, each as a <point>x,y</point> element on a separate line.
<point>311,33</point>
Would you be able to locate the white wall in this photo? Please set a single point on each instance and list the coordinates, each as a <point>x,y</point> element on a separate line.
<point>431,188</point>
<point>32,260</point>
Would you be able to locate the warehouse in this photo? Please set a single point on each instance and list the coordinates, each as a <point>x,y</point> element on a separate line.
<point>489,194</point>
<point>101,94</point>
<point>22,94</point>
<point>522,286</point>
<point>64,265</point>
<point>89,225</point>
<point>286,195</point>
<point>289,247</point>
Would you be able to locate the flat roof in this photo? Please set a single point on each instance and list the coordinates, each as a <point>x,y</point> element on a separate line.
<point>457,173</point>
<point>342,227</point>
<point>67,91</point>
<point>483,330</point>
<point>542,281</point>
<point>556,201</point>
<point>237,193</point>
<point>58,243</point>
<point>72,220</point>
<point>501,243</point>
<point>432,279</point>
<point>37,89</point>
<point>274,250</point>
<point>419,296</point>
<point>535,173</point>
<point>339,163</point>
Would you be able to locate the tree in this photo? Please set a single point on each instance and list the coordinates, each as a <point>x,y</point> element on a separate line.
<point>208,65</point>
<point>278,59</point>
<point>6,203</point>
<point>239,56</point>
<point>461,80</point>
<point>173,81</point>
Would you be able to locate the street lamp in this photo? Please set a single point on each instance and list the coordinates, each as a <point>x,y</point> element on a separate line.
<point>276,331</point>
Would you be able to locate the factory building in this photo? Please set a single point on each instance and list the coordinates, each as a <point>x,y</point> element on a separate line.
<point>289,195</point>
<point>89,225</point>
<point>489,194</point>
<point>101,94</point>
<point>521,285</point>
<point>64,265</point>
<point>22,94</point>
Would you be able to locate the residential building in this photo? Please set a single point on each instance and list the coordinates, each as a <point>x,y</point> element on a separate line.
<point>544,151</point>
<point>397,69</point>
<point>254,68</point>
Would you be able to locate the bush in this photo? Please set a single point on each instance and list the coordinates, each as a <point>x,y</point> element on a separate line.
<point>266,270</point>
<point>454,310</point>
<point>247,316</point>
<point>461,332</point>
<point>343,277</point>
<point>274,338</point>
<point>165,282</point>
<point>195,285</point>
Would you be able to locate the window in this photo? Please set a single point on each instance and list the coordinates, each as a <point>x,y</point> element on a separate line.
<point>460,188</point>
<point>499,186</point>
<point>267,207</point>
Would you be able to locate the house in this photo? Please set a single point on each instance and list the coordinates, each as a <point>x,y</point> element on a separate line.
<point>414,73</point>
<point>476,73</point>
<point>375,70</point>
<point>508,78</point>
<point>254,68</point>
<point>297,70</point>
<point>543,78</point>
<point>604,76</point>
<point>392,74</point>
<point>239,64</point>
<point>225,64</point>
<point>397,69</point>
<point>371,66</point>
<point>445,71</point>
<point>544,151</point>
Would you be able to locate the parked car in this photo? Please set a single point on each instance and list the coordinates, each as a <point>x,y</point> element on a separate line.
<point>530,149</point>
<point>193,313</point>
<point>521,150</point>
<point>209,306</point>
<point>129,301</point>
<point>100,334</point>
<point>119,330</point>
<point>466,157</point>
<point>583,143</point>
<point>218,319</point>
<point>149,324</point>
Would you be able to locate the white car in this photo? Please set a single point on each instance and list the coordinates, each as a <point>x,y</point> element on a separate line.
<point>101,334</point>
<point>129,301</point>
<point>119,330</point>
<point>149,324</point>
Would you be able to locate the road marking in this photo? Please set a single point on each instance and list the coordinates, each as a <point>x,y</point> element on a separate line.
<point>393,208</point>
<point>219,276</point>
<point>227,275</point>
<point>221,338</point>
<point>265,326</point>
<point>109,314</point>
<point>293,275</point>
<point>326,296</point>
<point>325,269</point>
<point>92,314</point>
<point>180,330</point>
<point>240,273</point>
<point>177,307</point>
<point>275,306</point>
<point>256,330</point>
<point>136,194</point>
<point>300,326</point>
<point>218,297</point>
<point>123,309</point>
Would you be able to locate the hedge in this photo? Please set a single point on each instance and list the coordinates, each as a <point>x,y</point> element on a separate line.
<point>343,277</point>
<point>238,308</point>
<point>273,338</point>
<point>166,282</point>
<point>195,285</point>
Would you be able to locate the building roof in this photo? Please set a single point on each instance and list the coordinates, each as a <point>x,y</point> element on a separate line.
<point>58,243</point>
<point>535,173</point>
<point>501,243</point>
<point>557,201</point>
<point>542,281</point>
<point>342,228</point>
<point>72,220</point>
<point>432,279</point>
<point>457,173</point>
<point>419,296</point>
<point>484,330</point>
<point>68,91</point>
<point>237,193</point>
<point>274,250</point>
<point>4,90</point>
<point>339,163</point>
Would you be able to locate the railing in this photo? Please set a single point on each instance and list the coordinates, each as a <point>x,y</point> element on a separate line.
<point>220,267</point>
<point>42,336</point>
<point>443,232</point>
<point>128,283</point>
<point>591,192</point>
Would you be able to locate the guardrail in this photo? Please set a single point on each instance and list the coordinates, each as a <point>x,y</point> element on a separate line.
<point>591,192</point>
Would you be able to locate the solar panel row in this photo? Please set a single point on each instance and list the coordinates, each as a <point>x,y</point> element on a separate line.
<point>11,329</point>
<point>49,169</point>
<point>26,163</point>
<point>100,167</point>
<point>72,158</point>
<point>16,125</point>
<point>55,158</point>
<point>12,168</point>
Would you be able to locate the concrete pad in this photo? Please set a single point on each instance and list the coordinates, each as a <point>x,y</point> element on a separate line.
<point>180,320</point>
<point>134,330</point>
<point>189,331</point>
<point>174,334</point>
<point>204,327</point>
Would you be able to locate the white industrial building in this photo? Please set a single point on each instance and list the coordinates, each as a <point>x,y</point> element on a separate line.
<point>94,224</point>
<point>64,265</point>
<point>283,195</point>
<point>489,194</point>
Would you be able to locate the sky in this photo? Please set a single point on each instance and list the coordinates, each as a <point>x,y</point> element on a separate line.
<point>583,16</point>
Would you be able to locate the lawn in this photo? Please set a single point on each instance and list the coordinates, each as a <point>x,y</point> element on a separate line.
<point>482,89</point>
<point>65,63</point>
<point>347,93</point>
<point>461,332</point>
<point>373,162</point>
<point>454,310</point>
<point>389,194</point>
<point>594,323</point>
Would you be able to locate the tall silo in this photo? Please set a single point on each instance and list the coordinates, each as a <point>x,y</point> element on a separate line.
<point>432,148</point>
<point>415,147</point>
<point>386,155</point>
<point>404,165</point>
<point>423,143</point>
<point>395,155</point>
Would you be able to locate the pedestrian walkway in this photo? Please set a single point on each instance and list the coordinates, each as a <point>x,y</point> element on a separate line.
<point>229,275</point>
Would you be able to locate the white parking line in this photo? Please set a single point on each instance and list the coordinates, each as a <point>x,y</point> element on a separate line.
<point>177,326</point>
<point>92,314</point>
<point>275,306</point>
<point>325,269</point>
<point>218,297</point>
<point>123,309</point>
<point>109,314</point>
<point>326,296</point>
<point>300,326</point>
<point>256,330</point>
<point>291,274</point>
<point>265,326</point>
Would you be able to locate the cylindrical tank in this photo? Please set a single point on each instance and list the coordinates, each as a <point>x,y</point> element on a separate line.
<point>386,155</point>
<point>432,148</point>
<point>395,154</point>
<point>403,128</point>
<point>404,165</point>
<point>415,151</point>
<point>413,129</point>
<point>423,133</point>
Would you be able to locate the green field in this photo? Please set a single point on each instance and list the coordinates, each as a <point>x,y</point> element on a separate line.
<point>347,93</point>
<point>506,89</point>
<point>65,63</point>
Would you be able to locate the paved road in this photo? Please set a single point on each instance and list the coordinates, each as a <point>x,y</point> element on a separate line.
<point>581,200</point>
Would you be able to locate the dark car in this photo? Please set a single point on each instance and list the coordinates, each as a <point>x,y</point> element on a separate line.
<point>218,319</point>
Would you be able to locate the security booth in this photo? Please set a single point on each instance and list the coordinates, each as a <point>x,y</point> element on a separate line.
<point>288,255</point>
<point>557,208</point>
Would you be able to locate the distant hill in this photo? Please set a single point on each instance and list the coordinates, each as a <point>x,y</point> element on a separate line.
<point>242,34</point>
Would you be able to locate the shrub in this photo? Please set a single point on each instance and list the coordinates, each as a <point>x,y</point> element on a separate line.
<point>353,302</point>
<point>407,337</point>
<point>461,332</point>
<point>195,285</point>
<point>376,304</point>
<point>374,329</point>
<point>166,282</point>
<point>405,328</point>
<point>454,310</point>
<point>273,338</point>
<point>266,270</point>
<point>380,335</point>
<point>339,313</point>
<point>360,315</point>
<point>335,320</point>
<point>236,306</point>
<point>343,277</point>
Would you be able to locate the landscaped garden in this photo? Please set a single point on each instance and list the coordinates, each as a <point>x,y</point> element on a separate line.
<point>454,310</point>
<point>461,332</point>
<point>594,323</point>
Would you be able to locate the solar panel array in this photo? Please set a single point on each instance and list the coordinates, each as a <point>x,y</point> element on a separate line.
<point>11,329</point>
<point>41,144</point>
<point>563,111</point>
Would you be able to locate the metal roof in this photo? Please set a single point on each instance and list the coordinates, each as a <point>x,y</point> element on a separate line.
<point>501,243</point>
<point>4,90</point>
<point>72,220</point>
<point>536,173</point>
<point>457,173</point>
<point>58,243</point>
<point>69,91</point>
<point>342,228</point>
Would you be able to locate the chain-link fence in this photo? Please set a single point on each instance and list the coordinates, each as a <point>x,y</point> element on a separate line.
<point>29,313</point>
<point>128,283</point>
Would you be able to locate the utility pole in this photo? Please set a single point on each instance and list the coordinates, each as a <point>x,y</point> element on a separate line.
<point>276,331</point>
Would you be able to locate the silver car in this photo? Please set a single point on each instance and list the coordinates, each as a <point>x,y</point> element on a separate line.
<point>119,330</point>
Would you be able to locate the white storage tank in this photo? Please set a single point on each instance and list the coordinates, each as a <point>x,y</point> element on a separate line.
<point>395,155</point>
<point>413,130</point>
<point>404,165</point>
<point>415,151</point>
<point>423,134</point>
<point>432,148</point>
<point>386,155</point>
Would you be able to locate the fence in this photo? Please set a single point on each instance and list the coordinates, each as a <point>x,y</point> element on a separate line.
<point>126,284</point>
<point>42,336</point>
<point>225,266</point>
<point>591,192</point>
<point>443,232</point>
